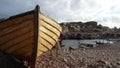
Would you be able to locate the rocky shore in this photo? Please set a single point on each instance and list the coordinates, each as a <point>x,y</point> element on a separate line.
<point>88,30</point>
<point>104,56</point>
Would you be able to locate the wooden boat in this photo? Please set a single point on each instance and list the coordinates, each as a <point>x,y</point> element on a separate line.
<point>28,35</point>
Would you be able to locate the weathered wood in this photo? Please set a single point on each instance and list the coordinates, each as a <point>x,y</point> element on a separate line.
<point>51,34</point>
<point>14,21</point>
<point>50,21</point>
<point>16,41</point>
<point>28,35</point>
<point>17,33</point>
<point>25,43</point>
<point>47,26</point>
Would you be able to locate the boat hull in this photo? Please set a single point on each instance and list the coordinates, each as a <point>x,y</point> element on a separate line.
<point>17,35</point>
<point>28,35</point>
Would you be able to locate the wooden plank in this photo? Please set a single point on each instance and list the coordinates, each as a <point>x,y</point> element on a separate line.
<point>45,43</point>
<point>15,34</point>
<point>26,51</point>
<point>49,27</point>
<point>11,22</point>
<point>43,35</point>
<point>15,27</point>
<point>51,21</point>
<point>20,46</point>
<point>42,48</point>
<point>43,29</point>
<point>16,41</point>
<point>49,36</point>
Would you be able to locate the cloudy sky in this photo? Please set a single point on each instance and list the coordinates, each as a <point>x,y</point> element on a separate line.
<point>105,12</point>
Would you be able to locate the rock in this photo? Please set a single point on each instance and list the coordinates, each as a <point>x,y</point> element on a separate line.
<point>92,23</point>
<point>90,29</point>
<point>118,63</point>
<point>72,48</point>
<point>98,57</point>
<point>105,64</point>
<point>82,46</point>
<point>64,59</point>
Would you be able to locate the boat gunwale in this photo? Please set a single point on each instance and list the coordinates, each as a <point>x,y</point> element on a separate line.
<point>29,12</point>
<point>18,15</point>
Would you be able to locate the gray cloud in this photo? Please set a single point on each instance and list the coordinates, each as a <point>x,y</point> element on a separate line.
<point>12,7</point>
<point>106,12</point>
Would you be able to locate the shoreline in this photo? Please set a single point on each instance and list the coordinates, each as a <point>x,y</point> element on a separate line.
<point>104,56</point>
<point>99,57</point>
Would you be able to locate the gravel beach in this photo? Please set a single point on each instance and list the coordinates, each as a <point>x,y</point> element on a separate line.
<point>103,56</point>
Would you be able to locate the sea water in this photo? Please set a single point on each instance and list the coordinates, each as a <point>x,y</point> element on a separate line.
<point>76,43</point>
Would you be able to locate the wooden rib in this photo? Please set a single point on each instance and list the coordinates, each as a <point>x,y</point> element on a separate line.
<point>15,34</point>
<point>11,22</point>
<point>41,34</point>
<point>51,22</point>
<point>13,28</point>
<point>49,27</point>
<point>50,30</point>
<point>51,34</point>
<point>15,41</point>
<point>42,48</point>
<point>20,46</point>
<point>42,39</point>
<point>45,43</point>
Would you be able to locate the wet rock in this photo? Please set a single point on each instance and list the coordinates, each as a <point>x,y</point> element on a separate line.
<point>118,63</point>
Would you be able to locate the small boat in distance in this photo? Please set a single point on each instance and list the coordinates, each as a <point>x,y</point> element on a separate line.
<point>99,42</point>
<point>28,35</point>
